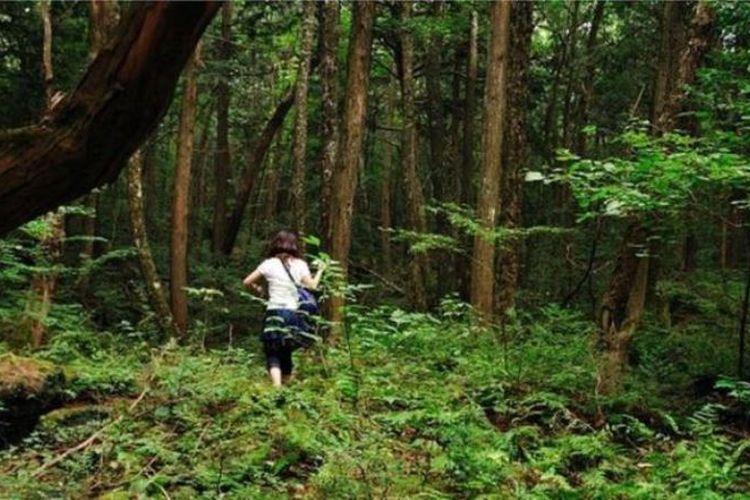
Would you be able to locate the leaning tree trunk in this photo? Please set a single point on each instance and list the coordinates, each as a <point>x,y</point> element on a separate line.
<point>344,180</point>
<point>253,168</point>
<point>179,235</point>
<point>88,136</point>
<point>154,287</point>
<point>300,124</point>
<point>483,256</point>
<point>415,215</point>
<point>516,150</point>
<point>222,156</point>
<point>329,82</point>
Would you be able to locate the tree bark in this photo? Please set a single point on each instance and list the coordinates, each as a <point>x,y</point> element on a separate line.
<point>300,124</point>
<point>622,307</point>
<point>415,215</point>
<point>151,278</point>
<point>516,150</point>
<point>222,165</point>
<point>435,110</point>
<point>587,91</point>
<point>254,163</point>
<point>483,255</point>
<point>344,180</point>
<point>329,43</point>
<point>472,62</point>
<point>386,188</point>
<point>179,235</point>
<point>87,137</point>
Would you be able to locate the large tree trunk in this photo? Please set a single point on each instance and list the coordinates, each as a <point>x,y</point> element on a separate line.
<point>154,287</point>
<point>483,256</point>
<point>329,43</point>
<point>344,181</point>
<point>89,135</point>
<point>253,168</point>
<point>222,165</point>
<point>516,150</point>
<point>300,124</point>
<point>179,234</point>
<point>415,216</point>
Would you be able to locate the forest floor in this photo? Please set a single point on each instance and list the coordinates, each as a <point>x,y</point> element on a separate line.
<point>412,405</point>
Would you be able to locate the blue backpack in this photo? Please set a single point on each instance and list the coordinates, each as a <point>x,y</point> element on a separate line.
<point>308,304</point>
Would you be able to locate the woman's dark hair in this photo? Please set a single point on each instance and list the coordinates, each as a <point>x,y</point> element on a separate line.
<point>284,245</point>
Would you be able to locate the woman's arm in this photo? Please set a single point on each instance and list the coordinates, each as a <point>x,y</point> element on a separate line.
<point>253,283</point>
<point>313,282</point>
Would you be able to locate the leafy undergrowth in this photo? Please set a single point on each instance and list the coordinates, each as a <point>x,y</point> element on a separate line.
<point>412,405</point>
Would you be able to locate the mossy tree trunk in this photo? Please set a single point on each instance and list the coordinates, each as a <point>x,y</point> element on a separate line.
<point>179,233</point>
<point>495,102</point>
<point>151,278</point>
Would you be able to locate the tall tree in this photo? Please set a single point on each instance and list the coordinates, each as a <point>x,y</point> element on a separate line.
<point>483,256</point>
<point>151,278</point>
<point>589,77</point>
<point>624,300</point>
<point>44,282</point>
<point>472,64</point>
<point>53,162</point>
<point>299,148</point>
<point>516,149</point>
<point>329,81</point>
<point>418,265</point>
<point>386,188</point>
<point>435,107</point>
<point>180,198</point>
<point>344,180</point>
<point>222,165</point>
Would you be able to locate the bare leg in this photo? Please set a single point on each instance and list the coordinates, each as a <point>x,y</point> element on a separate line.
<point>275,373</point>
<point>285,379</point>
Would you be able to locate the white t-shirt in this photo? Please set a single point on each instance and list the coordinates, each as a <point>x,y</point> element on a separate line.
<point>282,293</point>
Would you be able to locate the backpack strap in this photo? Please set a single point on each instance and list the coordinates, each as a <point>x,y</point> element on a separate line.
<point>288,272</point>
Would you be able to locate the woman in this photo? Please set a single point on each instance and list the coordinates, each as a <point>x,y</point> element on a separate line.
<point>283,270</point>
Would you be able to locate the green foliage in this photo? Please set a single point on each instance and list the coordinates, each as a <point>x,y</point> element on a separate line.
<point>415,404</point>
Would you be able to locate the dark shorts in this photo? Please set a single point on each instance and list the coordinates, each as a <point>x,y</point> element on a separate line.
<point>277,326</point>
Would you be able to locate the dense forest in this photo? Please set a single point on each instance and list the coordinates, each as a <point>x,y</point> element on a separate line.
<point>532,218</point>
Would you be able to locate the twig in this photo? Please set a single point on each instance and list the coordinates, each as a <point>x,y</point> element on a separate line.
<point>380,277</point>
